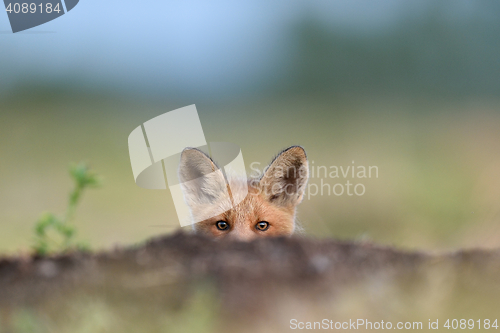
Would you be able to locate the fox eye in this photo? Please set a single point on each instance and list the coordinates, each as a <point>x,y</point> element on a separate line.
<point>222,225</point>
<point>262,226</point>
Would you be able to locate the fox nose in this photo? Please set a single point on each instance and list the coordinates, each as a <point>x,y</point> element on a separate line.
<point>241,234</point>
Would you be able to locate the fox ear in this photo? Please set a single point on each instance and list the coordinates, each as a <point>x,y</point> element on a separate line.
<point>202,181</point>
<point>285,179</point>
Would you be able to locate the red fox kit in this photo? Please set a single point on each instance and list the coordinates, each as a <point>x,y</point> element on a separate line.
<point>267,205</point>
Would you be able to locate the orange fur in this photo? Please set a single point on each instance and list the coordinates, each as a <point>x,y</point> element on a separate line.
<point>273,198</point>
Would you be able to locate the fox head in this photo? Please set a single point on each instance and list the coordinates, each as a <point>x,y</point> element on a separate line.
<point>266,209</point>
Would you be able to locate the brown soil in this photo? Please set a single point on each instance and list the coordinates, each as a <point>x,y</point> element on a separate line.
<point>190,283</point>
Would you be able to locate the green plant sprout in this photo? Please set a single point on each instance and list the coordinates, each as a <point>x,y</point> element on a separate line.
<point>49,225</point>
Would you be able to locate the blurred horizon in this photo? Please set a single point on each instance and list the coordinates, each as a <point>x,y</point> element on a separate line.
<point>228,51</point>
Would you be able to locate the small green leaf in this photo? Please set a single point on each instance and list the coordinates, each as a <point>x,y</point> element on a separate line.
<point>83,178</point>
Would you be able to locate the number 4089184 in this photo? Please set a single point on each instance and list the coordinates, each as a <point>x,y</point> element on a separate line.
<point>471,324</point>
<point>32,8</point>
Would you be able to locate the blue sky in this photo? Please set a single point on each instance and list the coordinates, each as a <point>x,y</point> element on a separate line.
<point>198,46</point>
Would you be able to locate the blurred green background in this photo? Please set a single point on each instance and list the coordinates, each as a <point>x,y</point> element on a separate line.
<point>410,88</point>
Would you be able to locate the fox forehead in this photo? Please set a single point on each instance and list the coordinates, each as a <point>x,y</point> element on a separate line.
<point>253,209</point>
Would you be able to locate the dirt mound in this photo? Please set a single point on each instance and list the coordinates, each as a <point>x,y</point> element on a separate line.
<point>193,283</point>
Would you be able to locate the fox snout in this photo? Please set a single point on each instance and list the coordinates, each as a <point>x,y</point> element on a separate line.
<point>268,209</point>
